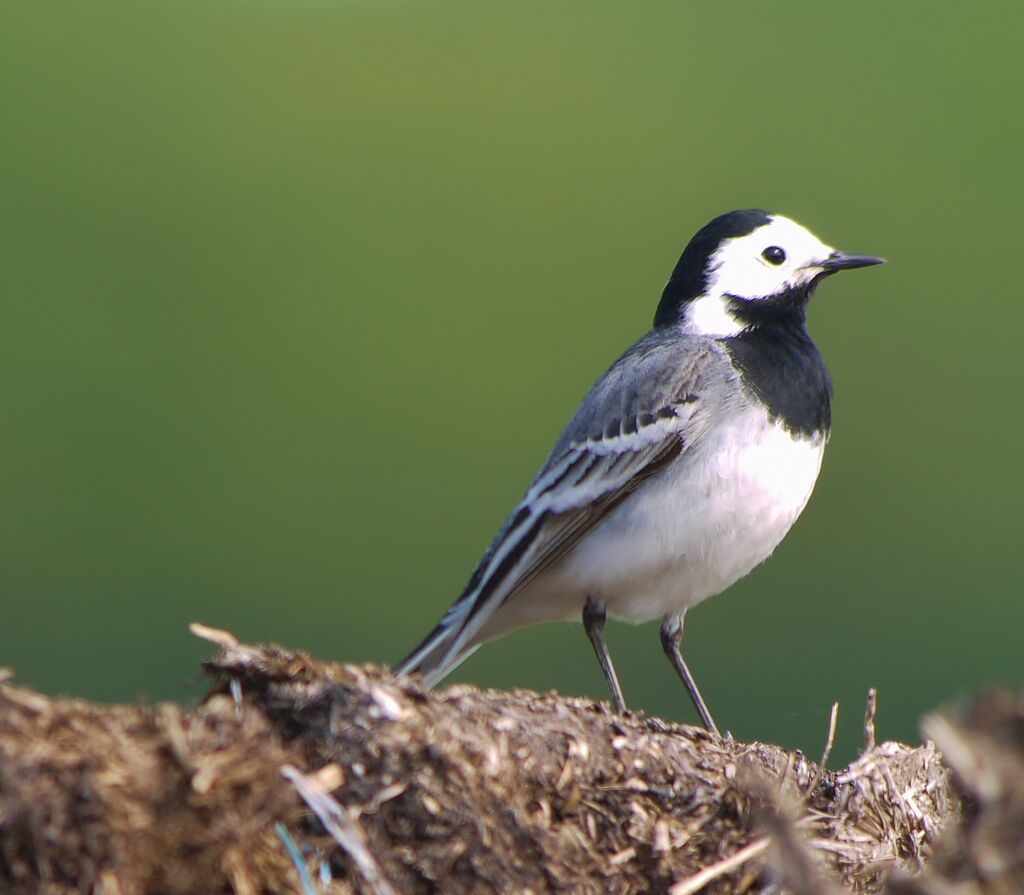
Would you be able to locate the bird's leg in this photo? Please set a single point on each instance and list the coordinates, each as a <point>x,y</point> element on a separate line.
<point>593,623</point>
<point>671,638</point>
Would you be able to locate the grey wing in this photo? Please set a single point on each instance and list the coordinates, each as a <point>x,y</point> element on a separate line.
<point>651,406</point>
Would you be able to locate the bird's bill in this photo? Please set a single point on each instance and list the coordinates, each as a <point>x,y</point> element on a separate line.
<point>842,261</point>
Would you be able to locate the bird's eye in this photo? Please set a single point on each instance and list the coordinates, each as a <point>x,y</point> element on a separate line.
<point>773,255</point>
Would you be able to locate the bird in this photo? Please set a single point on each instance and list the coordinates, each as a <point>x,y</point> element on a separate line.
<point>684,466</point>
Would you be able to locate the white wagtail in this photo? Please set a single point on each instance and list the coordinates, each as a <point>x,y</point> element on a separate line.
<point>683,468</point>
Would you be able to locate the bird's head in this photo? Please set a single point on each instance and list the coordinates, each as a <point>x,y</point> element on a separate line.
<point>745,268</point>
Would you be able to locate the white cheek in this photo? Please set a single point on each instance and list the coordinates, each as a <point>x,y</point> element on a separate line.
<point>736,269</point>
<point>749,279</point>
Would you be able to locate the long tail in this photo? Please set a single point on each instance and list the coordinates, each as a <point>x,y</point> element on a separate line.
<point>495,577</point>
<point>440,652</point>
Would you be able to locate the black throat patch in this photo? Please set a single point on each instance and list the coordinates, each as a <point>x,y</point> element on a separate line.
<point>782,367</point>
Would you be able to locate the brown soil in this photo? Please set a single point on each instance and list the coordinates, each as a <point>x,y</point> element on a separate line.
<point>377,786</point>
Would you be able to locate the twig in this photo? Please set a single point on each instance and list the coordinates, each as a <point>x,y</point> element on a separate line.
<point>337,822</point>
<point>699,880</point>
<point>235,686</point>
<point>296,856</point>
<point>223,639</point>
<point>869,720</point>
<point>830,741</point>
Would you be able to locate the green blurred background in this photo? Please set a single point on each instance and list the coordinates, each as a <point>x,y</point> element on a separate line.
<point>297,295</point>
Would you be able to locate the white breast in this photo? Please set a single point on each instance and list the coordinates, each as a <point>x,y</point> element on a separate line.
<point>712,518</point>
<point>686,534</point>
<point>690,532</point>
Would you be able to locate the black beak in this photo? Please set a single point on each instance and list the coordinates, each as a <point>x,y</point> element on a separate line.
<point>841,261</point>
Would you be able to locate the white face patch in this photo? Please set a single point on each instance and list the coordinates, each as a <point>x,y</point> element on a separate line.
<point>739,268</point>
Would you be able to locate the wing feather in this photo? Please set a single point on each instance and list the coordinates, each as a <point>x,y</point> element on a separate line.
<point>650,407</point>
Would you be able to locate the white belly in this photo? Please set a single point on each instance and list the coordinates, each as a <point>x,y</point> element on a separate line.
<point>687,534</point>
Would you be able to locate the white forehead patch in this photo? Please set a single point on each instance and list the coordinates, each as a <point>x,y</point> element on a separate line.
<point>738,268</point>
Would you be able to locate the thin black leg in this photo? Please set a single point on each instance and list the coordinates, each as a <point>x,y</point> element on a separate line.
<point>593,623</point>
<point>671,638</point>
